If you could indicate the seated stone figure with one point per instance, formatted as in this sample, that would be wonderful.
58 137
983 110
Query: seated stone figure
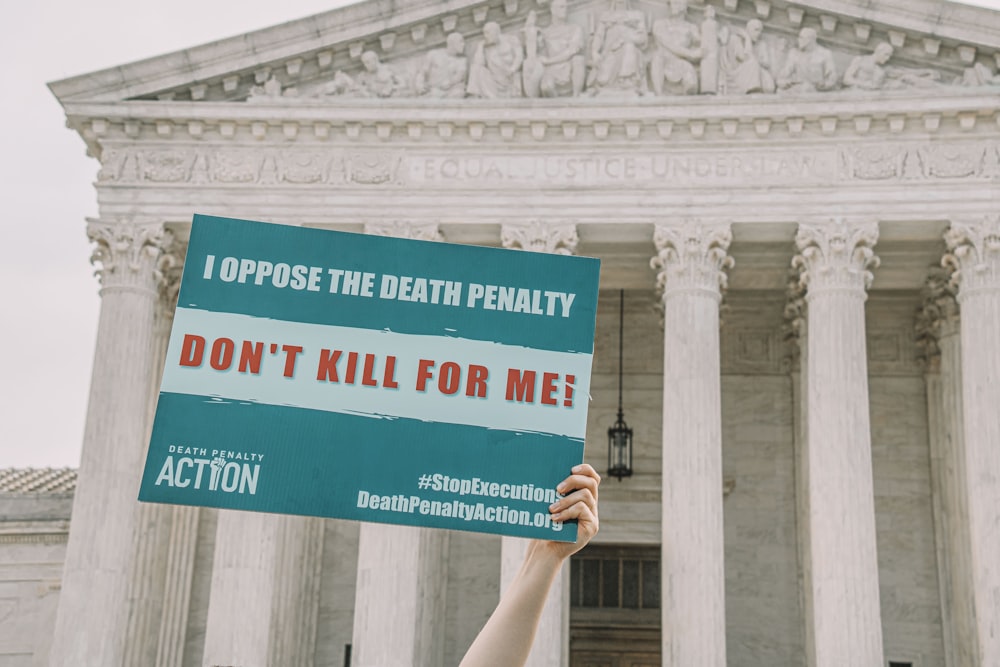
444 71
980 75
554 65
375 80
678 47
746 62
495 71
809 67
871 72
620 35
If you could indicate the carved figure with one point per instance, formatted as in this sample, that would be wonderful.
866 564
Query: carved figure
746 61
870 72
710 39
619 36
270 91
444 71
555 64
678 48
376 80
809 67
980 75
496 65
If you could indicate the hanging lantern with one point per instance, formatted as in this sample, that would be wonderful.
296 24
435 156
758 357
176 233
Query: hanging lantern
620 435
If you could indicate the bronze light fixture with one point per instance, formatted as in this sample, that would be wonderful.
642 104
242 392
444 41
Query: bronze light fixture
620 435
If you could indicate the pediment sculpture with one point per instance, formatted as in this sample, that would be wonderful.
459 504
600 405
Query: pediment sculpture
621 51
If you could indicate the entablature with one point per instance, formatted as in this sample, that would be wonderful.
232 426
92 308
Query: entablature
390 122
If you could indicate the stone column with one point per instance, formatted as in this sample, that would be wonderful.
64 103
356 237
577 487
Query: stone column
92 619
938 336
975 256
842 593
238 629
551 647
690 261
402 571
796 336
296 592
152 535
182 540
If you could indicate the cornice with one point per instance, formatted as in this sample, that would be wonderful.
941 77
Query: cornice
808 116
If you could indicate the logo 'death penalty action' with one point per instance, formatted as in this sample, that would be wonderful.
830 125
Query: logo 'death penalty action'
225 471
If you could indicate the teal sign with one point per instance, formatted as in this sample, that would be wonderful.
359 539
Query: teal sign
371 378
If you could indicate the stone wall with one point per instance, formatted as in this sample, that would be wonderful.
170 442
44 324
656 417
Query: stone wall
33 531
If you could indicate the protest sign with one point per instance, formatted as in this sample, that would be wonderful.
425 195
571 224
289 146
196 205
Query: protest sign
372 378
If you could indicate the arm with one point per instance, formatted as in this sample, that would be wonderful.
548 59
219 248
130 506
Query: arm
505 640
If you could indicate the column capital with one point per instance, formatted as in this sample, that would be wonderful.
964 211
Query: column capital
937 316
795 317
405 229
169 267
836 256
692 257
974 254
557 238
128 253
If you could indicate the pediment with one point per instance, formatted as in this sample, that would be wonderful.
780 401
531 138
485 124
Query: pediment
607 47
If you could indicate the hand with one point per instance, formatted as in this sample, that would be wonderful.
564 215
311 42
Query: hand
579 502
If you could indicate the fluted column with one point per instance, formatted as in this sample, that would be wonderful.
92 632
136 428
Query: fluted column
842 593
796 335
691 259
938 336
296 592
238 629
152 534
179 546
92 620
551 647
402 571
975 255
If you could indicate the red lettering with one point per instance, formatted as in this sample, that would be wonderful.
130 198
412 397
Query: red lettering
352 367
368 376
476 384
570 382
327 371
549 388
291 354
250 357
389 378
424 374
521 385
192 350
450 379
222 354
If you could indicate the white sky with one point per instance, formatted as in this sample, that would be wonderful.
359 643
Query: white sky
47 289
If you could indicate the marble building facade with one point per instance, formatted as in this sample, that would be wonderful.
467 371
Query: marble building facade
799 200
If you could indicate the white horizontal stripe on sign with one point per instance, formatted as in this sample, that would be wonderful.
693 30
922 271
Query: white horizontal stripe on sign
381 374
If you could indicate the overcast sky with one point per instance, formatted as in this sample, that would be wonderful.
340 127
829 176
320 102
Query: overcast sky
47 286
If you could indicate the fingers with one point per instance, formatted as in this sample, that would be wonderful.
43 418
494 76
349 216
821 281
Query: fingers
587 521
580 497
580 491
583 477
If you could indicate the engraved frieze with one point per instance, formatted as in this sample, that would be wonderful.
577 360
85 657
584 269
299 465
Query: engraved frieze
235 166
662 169
371 168
166 166
304 167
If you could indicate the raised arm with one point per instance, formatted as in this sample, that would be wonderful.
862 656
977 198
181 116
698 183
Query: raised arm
505 640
